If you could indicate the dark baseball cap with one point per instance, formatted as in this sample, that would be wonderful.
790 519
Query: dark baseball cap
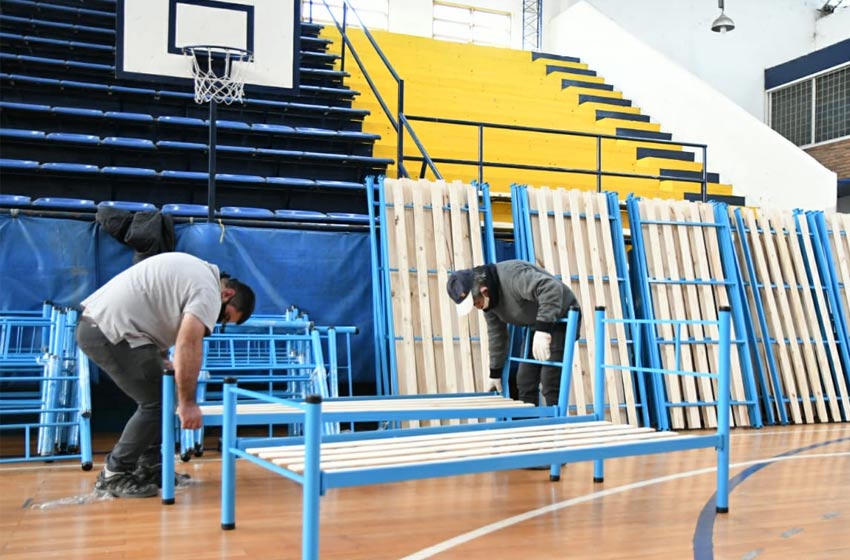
459 287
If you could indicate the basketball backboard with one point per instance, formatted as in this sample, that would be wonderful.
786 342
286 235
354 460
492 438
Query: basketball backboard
151 35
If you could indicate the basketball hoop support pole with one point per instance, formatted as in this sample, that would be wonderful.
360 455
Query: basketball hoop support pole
212 163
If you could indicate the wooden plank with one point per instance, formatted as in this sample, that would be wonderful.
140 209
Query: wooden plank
402 296
577 394
614 306
428 376
772 316
839 253
789 339
700 352
706 212
707 309
840 240
677 306
584 293
477 325
544 251
662 310
797 280
447 381
613 378
462 259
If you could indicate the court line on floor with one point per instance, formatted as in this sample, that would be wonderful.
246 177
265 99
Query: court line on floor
507 522
703 542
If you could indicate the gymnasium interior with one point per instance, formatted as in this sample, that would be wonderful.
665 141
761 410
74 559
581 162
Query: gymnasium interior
682 165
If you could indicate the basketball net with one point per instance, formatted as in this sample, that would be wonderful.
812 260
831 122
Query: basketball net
216 76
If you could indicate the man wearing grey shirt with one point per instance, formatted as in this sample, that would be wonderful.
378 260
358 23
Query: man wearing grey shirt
519 293
127 327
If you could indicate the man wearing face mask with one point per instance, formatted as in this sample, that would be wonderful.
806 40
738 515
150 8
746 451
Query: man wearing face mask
127 327
519 293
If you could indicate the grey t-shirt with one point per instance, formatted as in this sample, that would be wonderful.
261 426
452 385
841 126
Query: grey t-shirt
145 303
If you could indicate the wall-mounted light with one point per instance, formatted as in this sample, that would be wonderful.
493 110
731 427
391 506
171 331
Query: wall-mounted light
723 23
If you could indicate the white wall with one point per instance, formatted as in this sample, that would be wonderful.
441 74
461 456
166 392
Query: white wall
767 33
761 165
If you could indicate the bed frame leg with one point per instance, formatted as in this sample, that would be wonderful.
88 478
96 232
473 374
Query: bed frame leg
228 459
167 450
598 470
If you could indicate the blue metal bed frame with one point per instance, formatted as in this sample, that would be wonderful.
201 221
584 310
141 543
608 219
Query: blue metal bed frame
305 465
44 386
390 409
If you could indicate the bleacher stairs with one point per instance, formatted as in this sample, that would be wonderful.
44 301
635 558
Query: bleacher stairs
507 86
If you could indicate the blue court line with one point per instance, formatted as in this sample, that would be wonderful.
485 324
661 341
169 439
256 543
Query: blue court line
704 532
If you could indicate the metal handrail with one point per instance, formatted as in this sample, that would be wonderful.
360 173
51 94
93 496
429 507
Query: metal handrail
396 118
400 122
598 171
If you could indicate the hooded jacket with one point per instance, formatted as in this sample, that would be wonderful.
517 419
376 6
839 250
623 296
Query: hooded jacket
528 296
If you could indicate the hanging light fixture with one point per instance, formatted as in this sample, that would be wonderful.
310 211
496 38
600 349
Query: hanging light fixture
723 23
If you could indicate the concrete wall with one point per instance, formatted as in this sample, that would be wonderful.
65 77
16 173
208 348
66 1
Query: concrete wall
767 33
761 165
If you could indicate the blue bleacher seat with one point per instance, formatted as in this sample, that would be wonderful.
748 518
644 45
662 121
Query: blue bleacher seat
77 111
233 125
281 153
128 205
245 212
315 131
175 145
290 182
309 215
272 128
339 184
136 143
124 116
74 84
67 203
129 171
197 210
136 90
348 217
180 121
14 200
18 164
236 149
236 178
22 134
72 138
25 107
183 175
69 167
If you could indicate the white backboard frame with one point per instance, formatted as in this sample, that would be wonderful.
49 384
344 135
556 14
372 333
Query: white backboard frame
151 34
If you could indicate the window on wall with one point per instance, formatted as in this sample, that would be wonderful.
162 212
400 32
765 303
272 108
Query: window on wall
470 24
374 13
813 110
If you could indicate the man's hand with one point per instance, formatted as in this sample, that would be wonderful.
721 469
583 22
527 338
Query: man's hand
190 416
495 386
540 345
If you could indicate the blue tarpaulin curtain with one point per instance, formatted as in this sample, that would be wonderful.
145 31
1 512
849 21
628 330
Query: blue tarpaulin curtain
325 274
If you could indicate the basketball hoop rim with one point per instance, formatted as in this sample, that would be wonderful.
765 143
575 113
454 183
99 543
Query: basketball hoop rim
237 54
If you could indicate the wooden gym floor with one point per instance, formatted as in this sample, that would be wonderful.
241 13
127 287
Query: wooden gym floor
790 498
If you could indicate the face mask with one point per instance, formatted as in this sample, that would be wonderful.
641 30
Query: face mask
222 315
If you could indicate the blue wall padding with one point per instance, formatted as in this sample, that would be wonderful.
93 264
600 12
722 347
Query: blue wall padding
325 274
